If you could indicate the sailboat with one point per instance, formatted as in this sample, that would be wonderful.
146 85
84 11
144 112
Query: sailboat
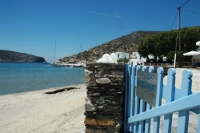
82 62
55 62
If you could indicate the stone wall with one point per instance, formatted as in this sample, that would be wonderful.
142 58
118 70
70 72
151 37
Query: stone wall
105 98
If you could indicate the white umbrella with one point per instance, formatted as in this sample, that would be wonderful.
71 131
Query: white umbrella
191 53
198 43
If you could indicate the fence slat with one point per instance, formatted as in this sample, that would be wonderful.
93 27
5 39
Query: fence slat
160 72
126 105
134 85
132 94
141 123
169 98
185 90
135 128
148 107
148 121
136 102
199 122
142 109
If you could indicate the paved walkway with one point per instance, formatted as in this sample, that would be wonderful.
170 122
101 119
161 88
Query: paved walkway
195 79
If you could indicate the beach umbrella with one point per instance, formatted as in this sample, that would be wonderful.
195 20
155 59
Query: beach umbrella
191 53
198 43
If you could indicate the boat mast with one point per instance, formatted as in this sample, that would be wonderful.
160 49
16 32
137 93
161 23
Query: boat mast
80 50
55 51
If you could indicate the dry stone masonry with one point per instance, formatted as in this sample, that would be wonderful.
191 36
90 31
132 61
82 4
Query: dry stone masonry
105 98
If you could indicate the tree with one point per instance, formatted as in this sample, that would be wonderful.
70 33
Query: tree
160 44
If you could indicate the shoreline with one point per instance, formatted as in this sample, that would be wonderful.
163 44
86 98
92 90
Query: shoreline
45 89
36 111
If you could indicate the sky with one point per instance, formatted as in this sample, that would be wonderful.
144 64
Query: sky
37 26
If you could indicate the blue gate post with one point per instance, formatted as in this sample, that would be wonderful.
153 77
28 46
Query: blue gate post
186 84
148 107
169 98
136 103
132 94
126 103
141 108
160 73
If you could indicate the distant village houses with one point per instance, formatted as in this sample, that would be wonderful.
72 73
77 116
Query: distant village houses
134 58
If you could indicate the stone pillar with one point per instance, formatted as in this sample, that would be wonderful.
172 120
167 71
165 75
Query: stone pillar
105 98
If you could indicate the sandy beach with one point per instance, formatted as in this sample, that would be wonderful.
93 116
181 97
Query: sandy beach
63 112
37 112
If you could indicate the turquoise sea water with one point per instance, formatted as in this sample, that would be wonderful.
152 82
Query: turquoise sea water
22 77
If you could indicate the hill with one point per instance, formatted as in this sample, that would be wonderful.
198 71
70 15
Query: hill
12 56
127 43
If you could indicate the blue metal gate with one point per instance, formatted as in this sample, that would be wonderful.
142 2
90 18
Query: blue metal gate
141 117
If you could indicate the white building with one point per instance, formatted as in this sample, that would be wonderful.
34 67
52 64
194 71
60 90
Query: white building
136 58
113 58
122 55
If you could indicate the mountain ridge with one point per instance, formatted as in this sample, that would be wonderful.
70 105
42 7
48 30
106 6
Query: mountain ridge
13 56
127 43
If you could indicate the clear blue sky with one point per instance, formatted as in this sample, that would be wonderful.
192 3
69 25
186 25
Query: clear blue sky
33 26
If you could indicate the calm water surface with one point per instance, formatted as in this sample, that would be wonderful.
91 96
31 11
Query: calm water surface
22 77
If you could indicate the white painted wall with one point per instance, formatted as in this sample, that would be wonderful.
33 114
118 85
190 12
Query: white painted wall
120 55
136 58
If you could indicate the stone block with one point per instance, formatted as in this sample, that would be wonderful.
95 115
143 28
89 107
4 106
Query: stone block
94 131
88 105
99 122
103 80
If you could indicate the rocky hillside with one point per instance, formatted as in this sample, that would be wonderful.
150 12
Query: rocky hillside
11 56
127 43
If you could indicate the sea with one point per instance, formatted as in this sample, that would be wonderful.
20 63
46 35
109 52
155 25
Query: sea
23 77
